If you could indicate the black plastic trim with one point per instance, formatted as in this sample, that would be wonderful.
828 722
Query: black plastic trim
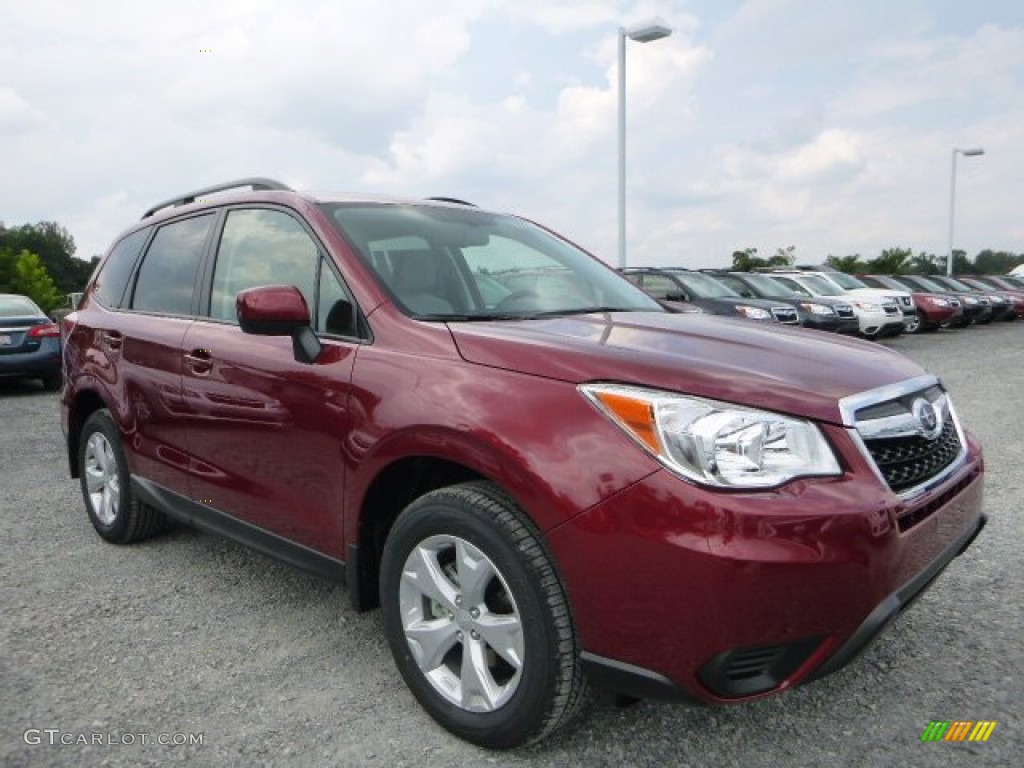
208 519
896 603
630 680
748 671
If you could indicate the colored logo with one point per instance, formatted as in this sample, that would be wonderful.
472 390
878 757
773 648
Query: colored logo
958 730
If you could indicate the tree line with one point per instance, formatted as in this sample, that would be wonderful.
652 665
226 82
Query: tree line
37 260
891 261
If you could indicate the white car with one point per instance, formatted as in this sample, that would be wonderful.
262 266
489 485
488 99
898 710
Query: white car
877 313
852 285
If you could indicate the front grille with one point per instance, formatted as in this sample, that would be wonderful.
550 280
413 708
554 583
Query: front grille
844 310
785 315
906 462
909 432
892 309
954 302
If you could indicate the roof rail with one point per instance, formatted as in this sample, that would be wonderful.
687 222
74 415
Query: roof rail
256 183
454 200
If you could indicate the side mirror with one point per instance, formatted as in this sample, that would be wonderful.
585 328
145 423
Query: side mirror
278 310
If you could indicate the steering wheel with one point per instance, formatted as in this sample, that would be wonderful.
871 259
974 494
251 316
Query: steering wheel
514 297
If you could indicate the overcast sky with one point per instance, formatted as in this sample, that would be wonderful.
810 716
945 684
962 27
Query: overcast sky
827 126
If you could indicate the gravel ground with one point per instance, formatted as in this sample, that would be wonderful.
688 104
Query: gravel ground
190 634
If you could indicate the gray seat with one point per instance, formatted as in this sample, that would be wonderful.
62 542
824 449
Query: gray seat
414 279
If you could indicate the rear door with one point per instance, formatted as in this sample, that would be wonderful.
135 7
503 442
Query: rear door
146 342
265 432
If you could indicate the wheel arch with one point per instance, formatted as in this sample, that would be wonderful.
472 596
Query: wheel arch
393 488
85 403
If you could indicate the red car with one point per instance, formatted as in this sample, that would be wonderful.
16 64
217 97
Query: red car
934 310
540 486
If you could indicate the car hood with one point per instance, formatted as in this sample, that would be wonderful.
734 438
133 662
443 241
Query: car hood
793 371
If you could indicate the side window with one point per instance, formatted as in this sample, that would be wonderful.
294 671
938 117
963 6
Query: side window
661 287
261 247
168 273
117 269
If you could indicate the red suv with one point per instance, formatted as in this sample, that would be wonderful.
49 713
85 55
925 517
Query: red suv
539 474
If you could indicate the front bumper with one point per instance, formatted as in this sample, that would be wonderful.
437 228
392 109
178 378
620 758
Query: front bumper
682 592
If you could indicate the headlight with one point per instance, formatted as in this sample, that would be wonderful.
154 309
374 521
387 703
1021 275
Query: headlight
714 443
754 313
939 302
817 309
867 306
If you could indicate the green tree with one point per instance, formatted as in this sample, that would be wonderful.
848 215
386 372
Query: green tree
747 260
989 262
892 261
30 278
851 264
927 264
961 264
55 247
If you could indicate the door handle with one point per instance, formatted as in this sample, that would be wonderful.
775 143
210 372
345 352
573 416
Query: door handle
199 360
112 339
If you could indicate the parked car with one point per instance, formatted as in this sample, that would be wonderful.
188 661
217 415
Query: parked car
1014 280
1017 271
1013 297
1002 283
855 287
976 309
29 342
934 310
710 295
821 313
538 490
1001 305
877 316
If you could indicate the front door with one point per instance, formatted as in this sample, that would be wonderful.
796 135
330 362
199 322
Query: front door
265 432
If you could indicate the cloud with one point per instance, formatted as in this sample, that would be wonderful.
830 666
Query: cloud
760 123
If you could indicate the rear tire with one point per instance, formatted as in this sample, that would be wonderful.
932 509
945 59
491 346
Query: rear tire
114 510
477 618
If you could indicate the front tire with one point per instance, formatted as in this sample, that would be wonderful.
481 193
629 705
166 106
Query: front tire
114 510
477 618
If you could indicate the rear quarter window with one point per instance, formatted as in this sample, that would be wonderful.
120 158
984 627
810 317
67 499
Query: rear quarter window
113 276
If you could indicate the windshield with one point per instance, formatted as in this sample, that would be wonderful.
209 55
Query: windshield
956 285
442 263
819 286
849 282
767 286
884 281
18 306
917 282
704 286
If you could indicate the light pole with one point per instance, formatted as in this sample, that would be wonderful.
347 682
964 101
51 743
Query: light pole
973 152
642 33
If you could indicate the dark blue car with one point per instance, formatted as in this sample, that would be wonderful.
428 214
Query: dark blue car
29 342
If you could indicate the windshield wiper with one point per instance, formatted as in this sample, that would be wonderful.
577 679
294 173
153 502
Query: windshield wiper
583 311
454 317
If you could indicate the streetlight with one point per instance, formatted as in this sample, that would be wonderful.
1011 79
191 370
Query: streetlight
641 33
973 152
